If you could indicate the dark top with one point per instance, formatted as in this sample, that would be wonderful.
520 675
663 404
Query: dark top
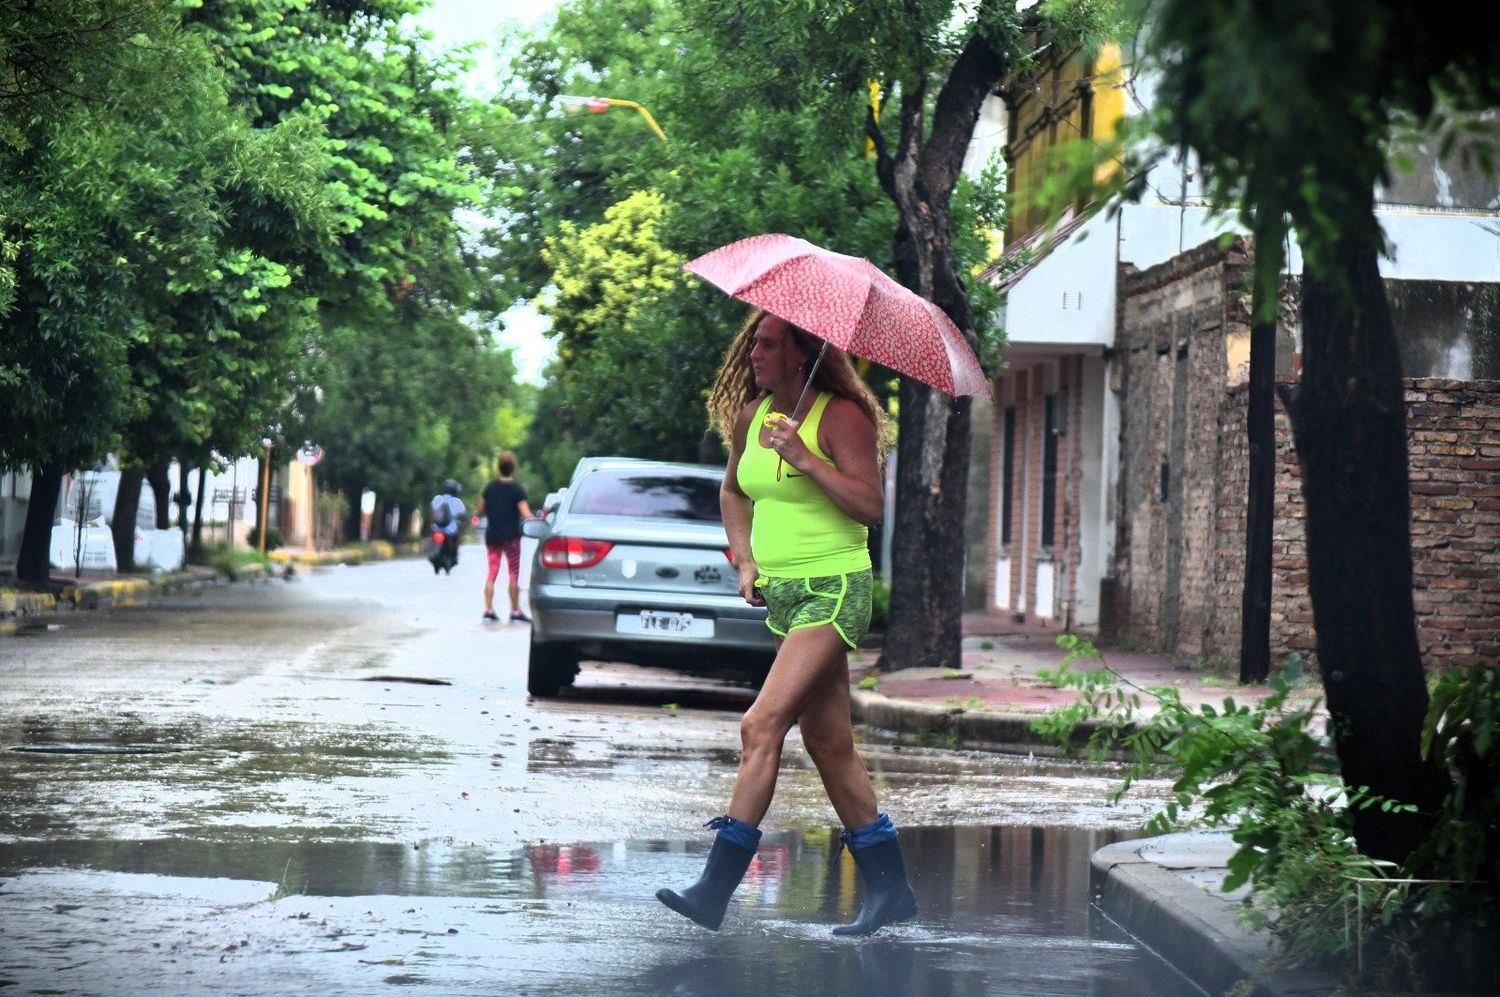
502 507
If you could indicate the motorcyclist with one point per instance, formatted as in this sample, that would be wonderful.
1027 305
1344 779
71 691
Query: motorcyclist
447 513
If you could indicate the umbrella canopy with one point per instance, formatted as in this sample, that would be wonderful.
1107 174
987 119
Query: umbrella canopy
849 302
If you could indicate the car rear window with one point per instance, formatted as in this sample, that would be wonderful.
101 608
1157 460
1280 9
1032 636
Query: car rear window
660 496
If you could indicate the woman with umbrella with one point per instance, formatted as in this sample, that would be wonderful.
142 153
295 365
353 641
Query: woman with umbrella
802 487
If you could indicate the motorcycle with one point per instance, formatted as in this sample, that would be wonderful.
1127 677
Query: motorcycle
444 551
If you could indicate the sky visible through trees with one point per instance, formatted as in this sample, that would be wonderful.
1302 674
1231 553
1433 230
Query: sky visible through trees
462 22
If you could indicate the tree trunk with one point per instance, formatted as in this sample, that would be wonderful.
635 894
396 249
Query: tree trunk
403 524
34 562
183 498
352 493
122 525
196 547
161 490
260 502
1260 504
928 545
1349 421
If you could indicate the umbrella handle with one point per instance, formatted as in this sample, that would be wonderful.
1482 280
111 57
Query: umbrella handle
816 363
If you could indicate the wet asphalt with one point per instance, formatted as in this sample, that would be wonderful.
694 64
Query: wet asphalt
337 783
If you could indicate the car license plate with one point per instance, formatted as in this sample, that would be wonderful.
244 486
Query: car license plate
660 623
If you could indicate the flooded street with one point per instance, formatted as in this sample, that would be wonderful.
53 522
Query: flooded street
337 783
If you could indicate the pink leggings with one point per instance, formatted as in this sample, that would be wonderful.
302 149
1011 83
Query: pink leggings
512 551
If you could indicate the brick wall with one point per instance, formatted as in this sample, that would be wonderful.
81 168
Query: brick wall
1291 608
1180 560
1453 432
1025 389
1173 323
1454 447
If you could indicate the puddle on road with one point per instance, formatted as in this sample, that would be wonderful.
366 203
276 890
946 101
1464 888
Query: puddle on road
95 749
1004 910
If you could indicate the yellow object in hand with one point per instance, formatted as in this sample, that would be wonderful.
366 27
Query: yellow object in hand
775 419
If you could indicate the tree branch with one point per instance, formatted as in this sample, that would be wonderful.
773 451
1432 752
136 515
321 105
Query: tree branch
975 73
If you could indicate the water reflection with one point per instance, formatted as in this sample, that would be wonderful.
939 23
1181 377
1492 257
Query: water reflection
1004 910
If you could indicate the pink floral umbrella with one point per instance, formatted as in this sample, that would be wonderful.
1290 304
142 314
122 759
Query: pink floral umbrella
849 302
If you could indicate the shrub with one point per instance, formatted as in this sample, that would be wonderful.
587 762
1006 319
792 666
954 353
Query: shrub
1267 774
231 561
274 539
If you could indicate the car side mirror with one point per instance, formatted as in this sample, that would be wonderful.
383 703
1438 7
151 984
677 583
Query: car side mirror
536 529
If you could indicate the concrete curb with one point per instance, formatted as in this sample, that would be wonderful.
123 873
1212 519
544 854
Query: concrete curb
1189 927
19 608
133 591
957 726
105 595
22 609
374 550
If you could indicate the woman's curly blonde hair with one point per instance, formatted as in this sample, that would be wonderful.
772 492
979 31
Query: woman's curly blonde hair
734 386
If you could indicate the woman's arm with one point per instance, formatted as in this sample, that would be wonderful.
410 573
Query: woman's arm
737 509
846 435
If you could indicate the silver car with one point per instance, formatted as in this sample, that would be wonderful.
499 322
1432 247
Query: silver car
634 566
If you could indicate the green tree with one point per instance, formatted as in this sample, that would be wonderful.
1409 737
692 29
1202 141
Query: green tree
402 375
220 325
738 162
87 219
1292 110
605 277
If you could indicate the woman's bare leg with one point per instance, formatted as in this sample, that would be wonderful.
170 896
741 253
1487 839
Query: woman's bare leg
829 738
808 661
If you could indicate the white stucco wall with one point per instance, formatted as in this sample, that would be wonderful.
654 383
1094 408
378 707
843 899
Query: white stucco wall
1098 441
1449 246
1068 298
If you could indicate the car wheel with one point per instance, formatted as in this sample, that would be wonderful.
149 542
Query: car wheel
549 669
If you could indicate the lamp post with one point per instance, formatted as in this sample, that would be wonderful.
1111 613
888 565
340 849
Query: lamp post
265 491
601 105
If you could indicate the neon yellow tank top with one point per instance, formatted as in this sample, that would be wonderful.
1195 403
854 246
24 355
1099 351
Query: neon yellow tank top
796 531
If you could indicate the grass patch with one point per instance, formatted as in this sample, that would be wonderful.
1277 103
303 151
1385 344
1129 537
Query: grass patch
231 561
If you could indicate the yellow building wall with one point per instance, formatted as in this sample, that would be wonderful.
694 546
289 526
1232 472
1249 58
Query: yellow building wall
1067 99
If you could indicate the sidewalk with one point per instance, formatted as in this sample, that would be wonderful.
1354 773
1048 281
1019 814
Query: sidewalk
1162 891
20 610
991 699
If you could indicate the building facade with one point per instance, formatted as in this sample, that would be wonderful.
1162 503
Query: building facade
1078 502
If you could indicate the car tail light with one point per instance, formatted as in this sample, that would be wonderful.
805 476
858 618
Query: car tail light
573 552
729 553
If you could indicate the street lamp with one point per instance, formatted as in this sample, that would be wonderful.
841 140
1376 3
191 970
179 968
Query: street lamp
265 491
599 105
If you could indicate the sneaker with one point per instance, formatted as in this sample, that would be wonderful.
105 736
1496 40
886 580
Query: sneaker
490 616
519 617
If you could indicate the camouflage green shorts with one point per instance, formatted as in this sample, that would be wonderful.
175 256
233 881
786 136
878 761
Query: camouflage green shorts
840 601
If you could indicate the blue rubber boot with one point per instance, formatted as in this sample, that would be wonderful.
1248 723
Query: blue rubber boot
706 900
889 898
